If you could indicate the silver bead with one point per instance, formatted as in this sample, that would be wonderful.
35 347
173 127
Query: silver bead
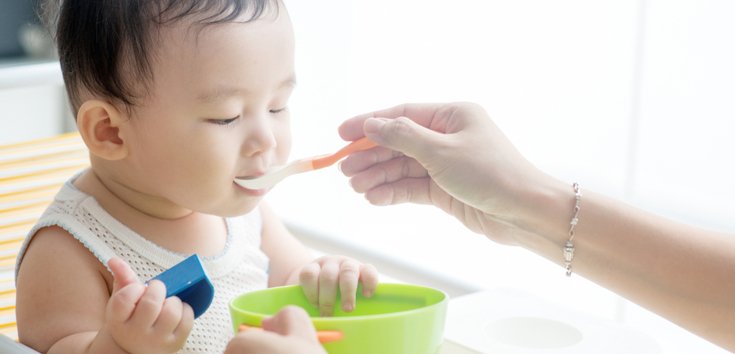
568 252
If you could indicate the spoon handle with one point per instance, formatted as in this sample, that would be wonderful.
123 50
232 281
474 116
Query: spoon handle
322 336
357 145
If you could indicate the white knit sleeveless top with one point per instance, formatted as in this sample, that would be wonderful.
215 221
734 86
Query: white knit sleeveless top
240 268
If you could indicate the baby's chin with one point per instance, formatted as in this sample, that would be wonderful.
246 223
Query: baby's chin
240 209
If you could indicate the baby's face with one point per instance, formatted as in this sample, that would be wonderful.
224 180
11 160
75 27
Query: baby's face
217 109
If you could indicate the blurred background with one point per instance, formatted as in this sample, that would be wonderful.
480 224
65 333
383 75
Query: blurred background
632 98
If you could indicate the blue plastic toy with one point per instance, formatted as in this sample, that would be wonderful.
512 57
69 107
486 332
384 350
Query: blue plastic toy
190 283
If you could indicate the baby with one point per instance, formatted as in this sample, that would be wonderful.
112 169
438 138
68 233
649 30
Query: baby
174 99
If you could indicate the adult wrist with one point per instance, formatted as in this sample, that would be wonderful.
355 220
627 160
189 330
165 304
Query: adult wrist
545 212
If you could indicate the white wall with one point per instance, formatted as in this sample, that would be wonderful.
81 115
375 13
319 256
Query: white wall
30 113
32 101
684 162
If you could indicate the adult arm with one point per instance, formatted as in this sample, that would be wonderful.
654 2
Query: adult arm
454 157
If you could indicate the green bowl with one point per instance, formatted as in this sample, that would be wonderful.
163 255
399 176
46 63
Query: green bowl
399 318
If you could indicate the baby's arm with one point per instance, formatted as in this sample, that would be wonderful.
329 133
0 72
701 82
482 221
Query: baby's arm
292 263
287 255
69 303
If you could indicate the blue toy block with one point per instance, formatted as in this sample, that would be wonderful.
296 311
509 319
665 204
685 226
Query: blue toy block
190 283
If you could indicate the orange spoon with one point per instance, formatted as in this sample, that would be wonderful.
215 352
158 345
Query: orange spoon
278 173
323 336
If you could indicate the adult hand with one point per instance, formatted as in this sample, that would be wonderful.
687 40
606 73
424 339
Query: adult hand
448 155
453 156
288 332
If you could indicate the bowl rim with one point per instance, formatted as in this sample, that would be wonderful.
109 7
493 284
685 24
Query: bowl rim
330 319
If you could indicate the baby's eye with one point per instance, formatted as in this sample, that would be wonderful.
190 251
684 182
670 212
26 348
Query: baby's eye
227 121
276 111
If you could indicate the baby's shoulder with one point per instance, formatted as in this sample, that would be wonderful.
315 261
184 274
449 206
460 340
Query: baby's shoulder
60 289
54 252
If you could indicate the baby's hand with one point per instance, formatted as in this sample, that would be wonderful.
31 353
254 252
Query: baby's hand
140 319
321 278
287 332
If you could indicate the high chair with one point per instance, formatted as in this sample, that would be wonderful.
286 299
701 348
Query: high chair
30 175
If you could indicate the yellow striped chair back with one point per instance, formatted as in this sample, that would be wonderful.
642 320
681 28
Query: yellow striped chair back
30 175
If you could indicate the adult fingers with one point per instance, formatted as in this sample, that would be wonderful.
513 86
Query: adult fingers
387 172
407 190
422 113
361 160
404 135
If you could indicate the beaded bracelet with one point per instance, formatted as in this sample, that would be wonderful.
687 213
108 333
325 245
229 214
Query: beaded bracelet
569 246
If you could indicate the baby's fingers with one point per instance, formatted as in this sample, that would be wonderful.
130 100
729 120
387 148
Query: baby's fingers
150 304
171 313
291 320
122 303
173 325
122 273
186 323
349 273
328 287
309 280
369 279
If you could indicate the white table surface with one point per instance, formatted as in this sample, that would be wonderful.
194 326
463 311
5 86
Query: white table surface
449 347
506 321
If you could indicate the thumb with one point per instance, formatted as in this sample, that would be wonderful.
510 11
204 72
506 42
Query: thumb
404 135
122 273
291 320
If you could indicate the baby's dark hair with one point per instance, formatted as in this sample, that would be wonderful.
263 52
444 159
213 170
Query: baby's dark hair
104 45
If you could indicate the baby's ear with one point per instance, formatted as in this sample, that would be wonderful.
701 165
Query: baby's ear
99 124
